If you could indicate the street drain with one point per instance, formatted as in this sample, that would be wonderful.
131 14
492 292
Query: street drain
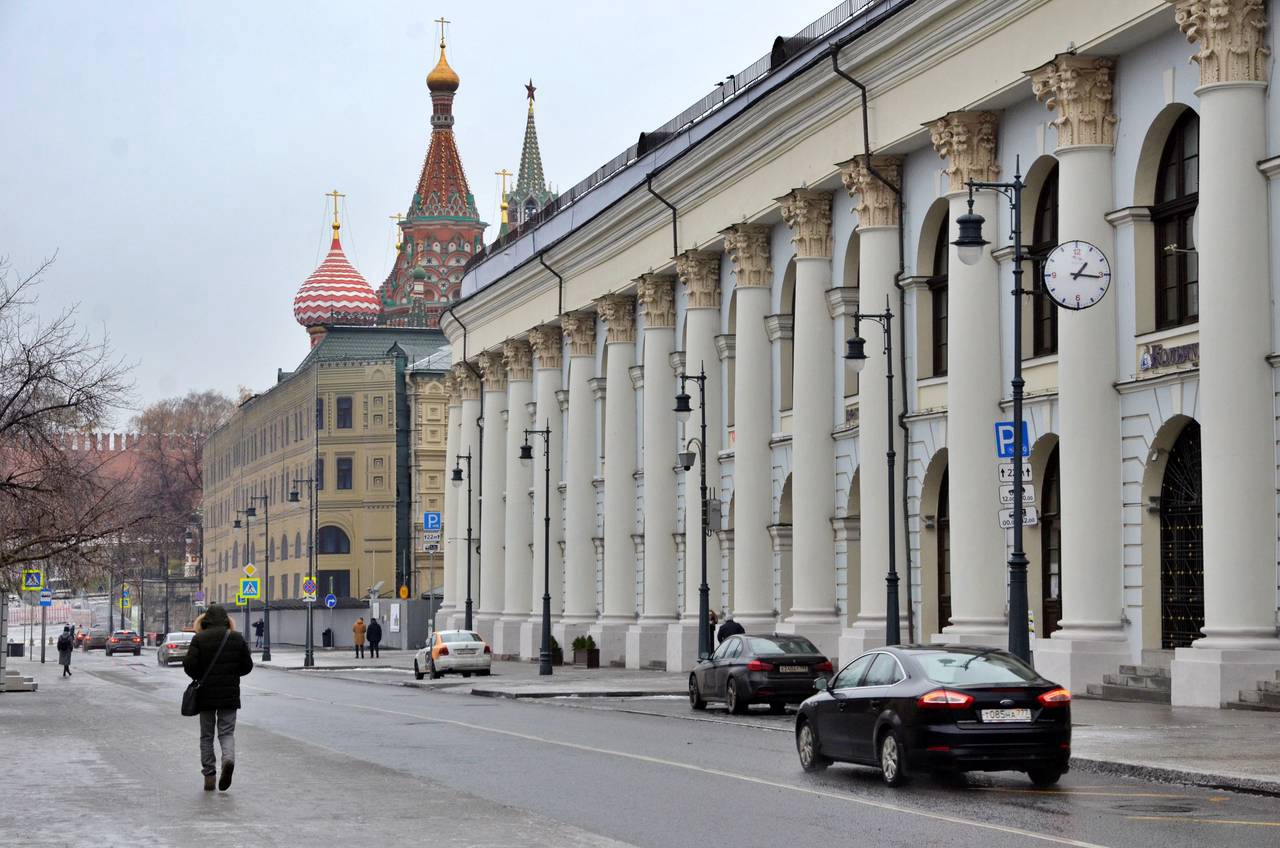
1155 808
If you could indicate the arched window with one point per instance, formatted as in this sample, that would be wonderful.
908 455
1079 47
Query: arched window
297 545
284 546
1177 193
938 292
333 540
1044 320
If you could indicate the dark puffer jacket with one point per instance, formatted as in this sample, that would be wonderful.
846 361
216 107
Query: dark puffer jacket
221 689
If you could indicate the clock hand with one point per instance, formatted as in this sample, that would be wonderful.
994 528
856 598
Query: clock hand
1092 276
1077 274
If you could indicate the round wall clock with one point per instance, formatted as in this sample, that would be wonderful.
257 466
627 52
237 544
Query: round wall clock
1076 274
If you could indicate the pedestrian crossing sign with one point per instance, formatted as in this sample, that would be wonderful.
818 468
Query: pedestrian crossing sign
32 578
251 587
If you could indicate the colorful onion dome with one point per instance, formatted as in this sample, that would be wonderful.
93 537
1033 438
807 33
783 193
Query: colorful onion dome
334 287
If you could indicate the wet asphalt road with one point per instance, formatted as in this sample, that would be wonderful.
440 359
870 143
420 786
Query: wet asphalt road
641 771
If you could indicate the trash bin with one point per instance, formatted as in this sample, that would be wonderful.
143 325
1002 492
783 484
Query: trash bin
326 638
17 649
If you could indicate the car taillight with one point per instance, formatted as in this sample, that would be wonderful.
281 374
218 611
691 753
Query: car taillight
114 639
170 645
1055 697
825 665
945 699
488 650
443 650
758 665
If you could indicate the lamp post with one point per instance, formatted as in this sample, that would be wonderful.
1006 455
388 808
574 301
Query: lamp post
526 457
247 512
266 574
855 353
164 563
457 482
969 243
308 658
685 458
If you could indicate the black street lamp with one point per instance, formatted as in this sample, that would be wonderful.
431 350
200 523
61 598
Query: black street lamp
308 658
856 354
683 410
248 513
526 457
969 244
266 574
457 482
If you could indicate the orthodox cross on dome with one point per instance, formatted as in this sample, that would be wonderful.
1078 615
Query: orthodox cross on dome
399 232
503 174
442 21
335 195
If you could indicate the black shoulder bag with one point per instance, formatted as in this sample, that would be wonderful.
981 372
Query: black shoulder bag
189 707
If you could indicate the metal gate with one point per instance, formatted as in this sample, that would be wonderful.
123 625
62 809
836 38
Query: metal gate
1182 543
944 552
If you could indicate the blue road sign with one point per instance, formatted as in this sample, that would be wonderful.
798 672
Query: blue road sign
431 521
124 591
251 587
331 601
46 598
1004 440
34 578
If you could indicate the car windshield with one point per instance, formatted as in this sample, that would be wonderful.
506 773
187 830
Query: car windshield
782 645
964 668
461 636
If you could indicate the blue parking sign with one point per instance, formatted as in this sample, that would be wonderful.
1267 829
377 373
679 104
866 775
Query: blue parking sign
431 521
1004 440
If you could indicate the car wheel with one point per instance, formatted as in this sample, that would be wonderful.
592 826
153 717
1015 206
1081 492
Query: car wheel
807 747
435 673
466 674
484 673
1044 777
417 674
695 694
893 758
733 698
777 707
138 653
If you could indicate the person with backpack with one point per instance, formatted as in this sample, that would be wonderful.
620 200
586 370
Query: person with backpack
217 658
374 633
65 643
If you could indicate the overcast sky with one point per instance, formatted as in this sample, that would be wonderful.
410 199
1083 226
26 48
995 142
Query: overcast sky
175 155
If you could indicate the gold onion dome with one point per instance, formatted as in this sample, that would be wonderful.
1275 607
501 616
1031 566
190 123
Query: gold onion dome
442 77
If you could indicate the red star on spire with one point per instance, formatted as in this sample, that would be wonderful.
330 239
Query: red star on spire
530 88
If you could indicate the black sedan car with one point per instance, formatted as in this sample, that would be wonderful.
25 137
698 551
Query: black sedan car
938 709
773 668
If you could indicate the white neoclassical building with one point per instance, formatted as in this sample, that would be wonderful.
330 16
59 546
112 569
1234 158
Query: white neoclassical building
741 237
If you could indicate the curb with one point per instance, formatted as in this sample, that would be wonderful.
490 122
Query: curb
1162 774
611 693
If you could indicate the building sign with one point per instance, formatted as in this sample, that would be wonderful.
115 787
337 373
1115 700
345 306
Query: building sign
1157 356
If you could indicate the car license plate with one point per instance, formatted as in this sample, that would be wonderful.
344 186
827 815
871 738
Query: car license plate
466 650
996 716
793 669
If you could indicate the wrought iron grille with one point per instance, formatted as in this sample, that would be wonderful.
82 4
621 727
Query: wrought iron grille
1182 543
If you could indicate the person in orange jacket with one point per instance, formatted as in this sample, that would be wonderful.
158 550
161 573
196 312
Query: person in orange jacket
358 630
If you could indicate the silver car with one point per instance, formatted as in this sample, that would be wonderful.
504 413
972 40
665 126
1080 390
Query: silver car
463 651
173 648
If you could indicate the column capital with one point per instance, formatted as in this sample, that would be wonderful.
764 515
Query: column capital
726 345
518 356
451 395
1232 35
967 140
547 342
636 373
699 270
878 205
748 249
580 332
619 314
468 385
656 295
1079 89
807 212
494 369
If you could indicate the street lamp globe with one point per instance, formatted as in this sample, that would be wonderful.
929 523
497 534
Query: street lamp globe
526 454
294 497
969 243
683 407
251 511
237 525
855 353
456 477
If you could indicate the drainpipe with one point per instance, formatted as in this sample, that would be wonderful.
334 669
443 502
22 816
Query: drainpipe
559 286
675 242
902 311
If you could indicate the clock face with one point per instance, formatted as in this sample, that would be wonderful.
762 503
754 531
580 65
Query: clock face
1076 275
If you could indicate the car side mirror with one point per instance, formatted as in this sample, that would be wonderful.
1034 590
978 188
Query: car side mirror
821 684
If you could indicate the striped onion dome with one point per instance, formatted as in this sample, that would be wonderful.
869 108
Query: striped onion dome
334 287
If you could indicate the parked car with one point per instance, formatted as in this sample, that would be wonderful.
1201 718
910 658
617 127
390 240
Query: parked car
912 708
775 668
462 651
124 640
173 647
96 637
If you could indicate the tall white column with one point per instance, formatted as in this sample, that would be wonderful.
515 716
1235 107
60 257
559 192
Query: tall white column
580 494
494 478
1237 418
468 501
1091 642
879 212
449 543
548 363
647 640
619 610
699 271
813 451
518 526
967 140
748 249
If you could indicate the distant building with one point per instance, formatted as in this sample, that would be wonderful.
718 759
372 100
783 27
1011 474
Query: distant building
526 200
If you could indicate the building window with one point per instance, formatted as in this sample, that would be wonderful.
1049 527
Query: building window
1044 317
319 473
333 541
344 413
344 472
938 291
1177 193
319 413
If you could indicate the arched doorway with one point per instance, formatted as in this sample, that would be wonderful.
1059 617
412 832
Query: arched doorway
1181 543
1050 549
943 554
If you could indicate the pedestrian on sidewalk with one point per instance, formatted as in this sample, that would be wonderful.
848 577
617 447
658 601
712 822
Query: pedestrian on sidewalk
257 633
374 633
711 627
729 628
65 643
219 656
357 630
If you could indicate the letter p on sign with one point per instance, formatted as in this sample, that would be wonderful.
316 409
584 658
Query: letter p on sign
1004 440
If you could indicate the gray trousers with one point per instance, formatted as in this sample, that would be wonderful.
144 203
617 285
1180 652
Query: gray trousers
224 722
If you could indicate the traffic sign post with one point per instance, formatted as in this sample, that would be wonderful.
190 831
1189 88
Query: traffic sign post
32 578
250 570
1006 495
1006 472
432 521
46 598
241 600
1004 439
330 601
309 590
1030 517
251 587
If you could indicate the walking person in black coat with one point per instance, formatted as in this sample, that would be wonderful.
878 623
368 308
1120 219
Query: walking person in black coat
257 633
65 643
729 628
219 696
374 635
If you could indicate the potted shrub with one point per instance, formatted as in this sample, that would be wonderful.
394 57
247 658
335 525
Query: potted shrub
585 652
557 653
